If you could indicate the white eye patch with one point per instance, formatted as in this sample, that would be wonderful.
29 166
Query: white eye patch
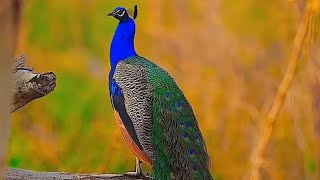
122 13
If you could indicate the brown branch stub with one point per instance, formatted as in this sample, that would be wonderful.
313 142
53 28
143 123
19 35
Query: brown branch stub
29 85
17 174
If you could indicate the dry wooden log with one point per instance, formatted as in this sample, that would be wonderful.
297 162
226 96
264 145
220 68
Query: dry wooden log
29 85
20 174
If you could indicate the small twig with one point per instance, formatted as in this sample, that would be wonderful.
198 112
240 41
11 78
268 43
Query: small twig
301 45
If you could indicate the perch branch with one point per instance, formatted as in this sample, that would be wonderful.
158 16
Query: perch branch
17 174
29 85
303 39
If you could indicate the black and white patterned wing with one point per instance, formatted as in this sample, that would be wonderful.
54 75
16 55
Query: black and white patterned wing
132 79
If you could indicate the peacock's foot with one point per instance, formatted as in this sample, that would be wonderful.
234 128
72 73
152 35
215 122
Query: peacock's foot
138 175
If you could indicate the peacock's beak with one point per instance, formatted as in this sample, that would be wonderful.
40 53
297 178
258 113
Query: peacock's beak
112 13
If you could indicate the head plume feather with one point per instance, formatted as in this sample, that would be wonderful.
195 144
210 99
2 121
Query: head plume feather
133 12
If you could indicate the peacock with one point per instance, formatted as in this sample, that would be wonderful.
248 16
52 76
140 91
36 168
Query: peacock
155 118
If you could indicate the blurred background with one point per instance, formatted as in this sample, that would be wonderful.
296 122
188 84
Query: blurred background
227 56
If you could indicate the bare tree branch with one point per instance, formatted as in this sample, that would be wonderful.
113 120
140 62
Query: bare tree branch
301 47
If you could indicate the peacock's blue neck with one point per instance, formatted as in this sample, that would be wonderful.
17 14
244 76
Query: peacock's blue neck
122 45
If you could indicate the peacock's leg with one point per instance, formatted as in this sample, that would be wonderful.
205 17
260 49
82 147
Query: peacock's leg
138 173
138 166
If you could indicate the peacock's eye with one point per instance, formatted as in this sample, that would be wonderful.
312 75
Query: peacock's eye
121 12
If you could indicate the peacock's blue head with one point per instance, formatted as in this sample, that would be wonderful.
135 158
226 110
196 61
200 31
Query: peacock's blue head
122 14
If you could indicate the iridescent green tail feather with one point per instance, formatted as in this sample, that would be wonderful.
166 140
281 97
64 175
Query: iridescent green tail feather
179 150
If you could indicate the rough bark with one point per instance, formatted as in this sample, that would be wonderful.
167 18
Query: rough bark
29 85
18 174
